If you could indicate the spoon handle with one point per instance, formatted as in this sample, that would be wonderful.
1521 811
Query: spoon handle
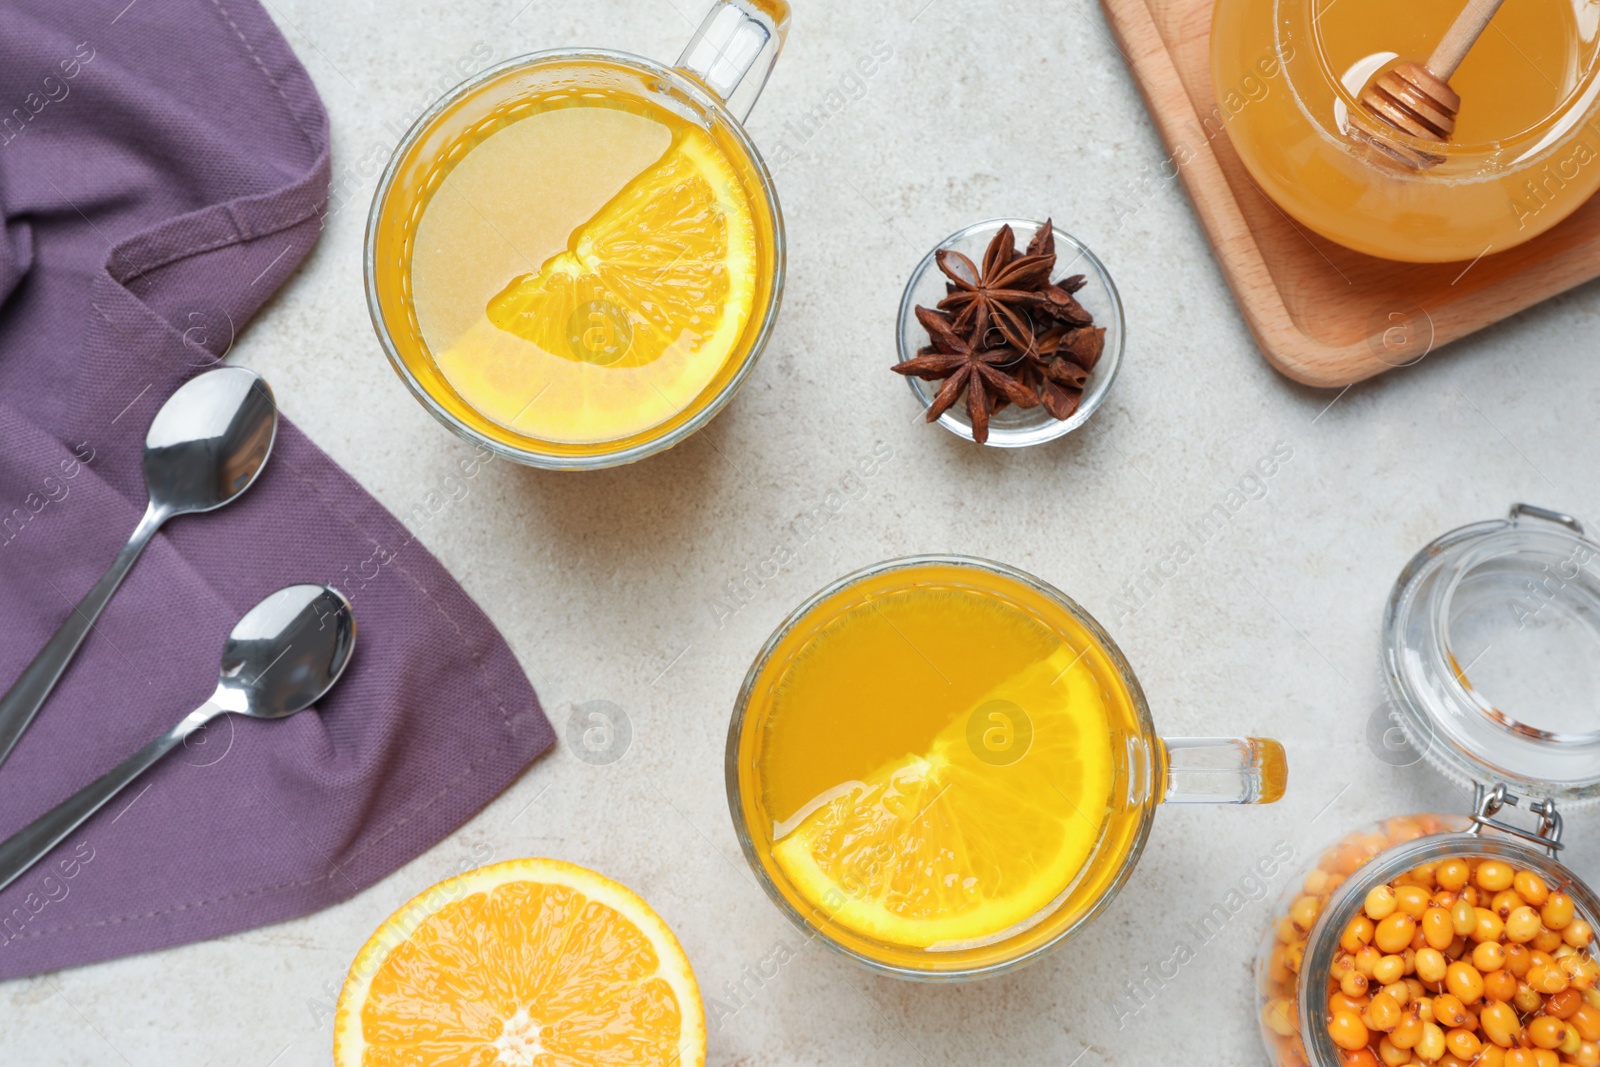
28 845
33 685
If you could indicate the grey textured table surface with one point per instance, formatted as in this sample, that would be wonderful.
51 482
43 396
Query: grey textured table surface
608 585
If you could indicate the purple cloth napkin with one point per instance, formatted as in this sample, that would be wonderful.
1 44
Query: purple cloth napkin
163 169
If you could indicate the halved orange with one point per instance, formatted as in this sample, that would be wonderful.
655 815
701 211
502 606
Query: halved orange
527 963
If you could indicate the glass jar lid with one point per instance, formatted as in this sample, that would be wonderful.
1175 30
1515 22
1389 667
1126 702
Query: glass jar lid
1492 652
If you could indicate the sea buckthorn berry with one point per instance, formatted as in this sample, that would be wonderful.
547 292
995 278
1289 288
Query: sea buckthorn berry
1392 1055
1353 984
1522 925
1530 887
1546 941
1431 1045
1448 1010
1383 1013
1588 1055
1547 1032
1431 966
1518 959
1563 1005
1543 1057
1361 1057
1463 918
1358 933
1380 903
1412 900
1505 902
1489 927
1343 963
1571 1043
1491 1056
1578 934
1465 982
1347 1030
1367 958
1418 990
1493 875
1316 882
1437 930
1409 1032
1394 933
1400 992
1527 998
1499 985
1557 911
1453 874
1521 1057
1338 1002
1489 956
1278 1015
1303 912
1463 1044
1286 930
1586 1020
1500 1024
1389 969
1547 978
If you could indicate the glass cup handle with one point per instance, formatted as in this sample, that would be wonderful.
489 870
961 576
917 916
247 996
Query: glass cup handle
1223 770
734 49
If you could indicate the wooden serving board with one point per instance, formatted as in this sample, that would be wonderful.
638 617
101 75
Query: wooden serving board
1322 314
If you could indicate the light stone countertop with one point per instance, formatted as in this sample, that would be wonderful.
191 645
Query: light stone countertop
607 585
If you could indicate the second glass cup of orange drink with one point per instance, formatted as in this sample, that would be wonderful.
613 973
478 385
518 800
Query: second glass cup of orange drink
575 258
942 767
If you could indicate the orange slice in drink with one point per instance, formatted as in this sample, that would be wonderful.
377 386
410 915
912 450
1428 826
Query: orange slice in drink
527 963
628 325
962 845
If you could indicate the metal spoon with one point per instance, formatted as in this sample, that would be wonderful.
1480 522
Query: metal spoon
206 446
282 656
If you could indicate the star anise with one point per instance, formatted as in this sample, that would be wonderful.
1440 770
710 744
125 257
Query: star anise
1007 334
1001 294
966 364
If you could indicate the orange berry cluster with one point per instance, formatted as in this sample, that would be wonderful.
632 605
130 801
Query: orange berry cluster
1467 961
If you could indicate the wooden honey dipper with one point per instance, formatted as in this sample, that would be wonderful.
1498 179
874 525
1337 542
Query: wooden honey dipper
1416 99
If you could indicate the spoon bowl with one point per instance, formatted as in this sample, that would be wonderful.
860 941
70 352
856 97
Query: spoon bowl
209 441
286 652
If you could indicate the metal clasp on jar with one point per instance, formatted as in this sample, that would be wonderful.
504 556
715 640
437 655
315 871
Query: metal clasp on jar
1488 801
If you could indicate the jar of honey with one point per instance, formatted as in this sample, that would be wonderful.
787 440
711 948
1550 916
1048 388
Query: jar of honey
1457 939
1288 76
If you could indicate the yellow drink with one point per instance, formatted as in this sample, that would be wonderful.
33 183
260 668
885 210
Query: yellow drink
571 262
933 767
1288 73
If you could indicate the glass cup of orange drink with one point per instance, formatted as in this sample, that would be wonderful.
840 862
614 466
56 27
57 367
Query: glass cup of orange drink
941 767
1288 76
575 258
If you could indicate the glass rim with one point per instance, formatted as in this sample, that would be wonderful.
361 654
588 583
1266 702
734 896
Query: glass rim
741 707
557 461
1322 940
1105 371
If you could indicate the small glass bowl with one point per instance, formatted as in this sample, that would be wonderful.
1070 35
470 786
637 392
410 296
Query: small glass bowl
1016 427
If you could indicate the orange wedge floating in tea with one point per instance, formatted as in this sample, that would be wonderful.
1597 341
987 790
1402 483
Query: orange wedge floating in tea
629 325
949 848
527 963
